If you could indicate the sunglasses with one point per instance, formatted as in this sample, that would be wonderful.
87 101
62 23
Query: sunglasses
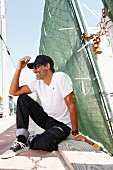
36 66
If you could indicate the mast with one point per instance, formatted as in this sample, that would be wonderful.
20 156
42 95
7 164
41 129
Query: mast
109 25
4 62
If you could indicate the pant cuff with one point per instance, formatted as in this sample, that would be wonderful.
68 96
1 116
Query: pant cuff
23 132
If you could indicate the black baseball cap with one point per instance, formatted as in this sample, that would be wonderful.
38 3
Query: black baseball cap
41 59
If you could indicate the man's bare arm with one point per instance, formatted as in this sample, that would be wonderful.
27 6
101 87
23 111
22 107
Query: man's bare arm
70 102
15 89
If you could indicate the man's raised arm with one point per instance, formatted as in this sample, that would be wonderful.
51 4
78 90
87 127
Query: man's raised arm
15 89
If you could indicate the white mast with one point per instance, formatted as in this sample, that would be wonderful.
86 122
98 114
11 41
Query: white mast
109 24
4 63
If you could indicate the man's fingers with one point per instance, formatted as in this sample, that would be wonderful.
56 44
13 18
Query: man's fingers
26 59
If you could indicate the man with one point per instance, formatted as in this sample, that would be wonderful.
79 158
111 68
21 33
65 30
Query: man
57 114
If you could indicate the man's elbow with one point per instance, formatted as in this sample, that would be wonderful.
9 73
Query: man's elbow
12 92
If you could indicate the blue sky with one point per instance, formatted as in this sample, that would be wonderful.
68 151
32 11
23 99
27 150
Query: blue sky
23 23
90 7
23 27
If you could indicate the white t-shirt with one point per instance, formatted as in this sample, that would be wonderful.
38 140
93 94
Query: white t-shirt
52 96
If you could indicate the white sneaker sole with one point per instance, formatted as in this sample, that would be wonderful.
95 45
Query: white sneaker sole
10 153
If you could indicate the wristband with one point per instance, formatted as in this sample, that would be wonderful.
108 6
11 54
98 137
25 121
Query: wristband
75 132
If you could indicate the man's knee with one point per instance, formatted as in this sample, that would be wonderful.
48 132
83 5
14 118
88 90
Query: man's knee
22 97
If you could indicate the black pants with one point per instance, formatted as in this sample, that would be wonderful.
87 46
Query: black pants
55 131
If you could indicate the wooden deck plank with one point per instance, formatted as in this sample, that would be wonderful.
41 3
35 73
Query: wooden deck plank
80 155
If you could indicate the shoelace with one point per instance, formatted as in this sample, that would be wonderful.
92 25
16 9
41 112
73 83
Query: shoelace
16 143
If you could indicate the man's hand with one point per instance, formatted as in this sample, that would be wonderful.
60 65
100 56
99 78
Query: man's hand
80 137
23 62
75 132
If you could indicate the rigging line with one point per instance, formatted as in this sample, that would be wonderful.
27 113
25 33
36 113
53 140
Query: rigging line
12 61
90 10
8 51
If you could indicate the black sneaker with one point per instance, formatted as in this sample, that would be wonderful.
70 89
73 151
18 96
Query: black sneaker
15 149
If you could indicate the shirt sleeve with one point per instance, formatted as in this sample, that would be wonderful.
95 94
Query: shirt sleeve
32 86
65 84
